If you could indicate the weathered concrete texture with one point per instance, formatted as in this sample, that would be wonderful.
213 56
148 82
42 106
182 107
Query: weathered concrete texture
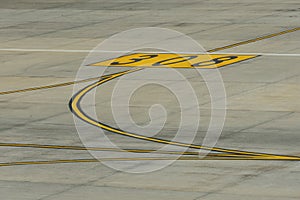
263 109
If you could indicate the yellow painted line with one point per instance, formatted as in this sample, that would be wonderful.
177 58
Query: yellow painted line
91 79
65 161
64 147
255 39
173 60
75 108
46 162
49 86
175 143
54 85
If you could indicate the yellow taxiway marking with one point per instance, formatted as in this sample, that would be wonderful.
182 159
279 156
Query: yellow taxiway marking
255 39
153 151
210 51
208 157
227 153
76 109
50 86
82 148
173 60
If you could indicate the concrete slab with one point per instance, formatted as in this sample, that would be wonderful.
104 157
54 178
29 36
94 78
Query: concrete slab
45 43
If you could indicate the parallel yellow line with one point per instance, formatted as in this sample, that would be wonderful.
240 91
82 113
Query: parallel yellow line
46 162
75 108
255 39
43 162
81 148
64 147
53 85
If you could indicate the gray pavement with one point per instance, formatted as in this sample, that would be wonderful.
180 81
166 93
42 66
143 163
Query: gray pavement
263 109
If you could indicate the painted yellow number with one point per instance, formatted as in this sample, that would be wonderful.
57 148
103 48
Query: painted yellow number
174 60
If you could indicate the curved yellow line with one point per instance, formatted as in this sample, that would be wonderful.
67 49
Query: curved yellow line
76 110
